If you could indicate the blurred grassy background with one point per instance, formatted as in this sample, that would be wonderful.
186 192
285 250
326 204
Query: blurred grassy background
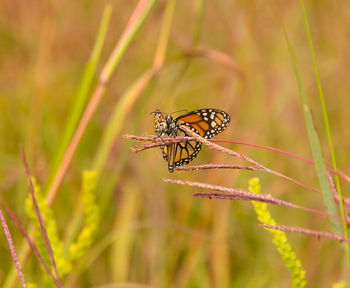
153 233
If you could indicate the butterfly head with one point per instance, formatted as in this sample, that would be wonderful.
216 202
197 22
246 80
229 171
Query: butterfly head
165 124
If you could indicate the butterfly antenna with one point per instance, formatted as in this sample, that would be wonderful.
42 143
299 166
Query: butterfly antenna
154 112
185 110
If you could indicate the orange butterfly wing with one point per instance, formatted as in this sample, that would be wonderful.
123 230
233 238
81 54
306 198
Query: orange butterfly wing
208 122
205 122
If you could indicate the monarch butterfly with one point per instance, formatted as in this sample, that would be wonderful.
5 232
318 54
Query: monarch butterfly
205 122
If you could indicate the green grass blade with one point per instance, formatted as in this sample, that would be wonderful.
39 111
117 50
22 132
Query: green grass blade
73 119
122 107
115 124
134 25
128 99
141 12
122 250
315 144
199 9
164 34
82 93
325 117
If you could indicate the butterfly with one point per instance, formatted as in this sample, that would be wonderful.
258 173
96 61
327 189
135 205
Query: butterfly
205 122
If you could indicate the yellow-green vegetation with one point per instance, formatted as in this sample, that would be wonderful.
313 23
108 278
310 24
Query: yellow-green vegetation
279 238
77 75
339 285
91 216
85 237
63 265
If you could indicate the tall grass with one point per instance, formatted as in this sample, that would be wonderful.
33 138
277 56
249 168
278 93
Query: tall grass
131 228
